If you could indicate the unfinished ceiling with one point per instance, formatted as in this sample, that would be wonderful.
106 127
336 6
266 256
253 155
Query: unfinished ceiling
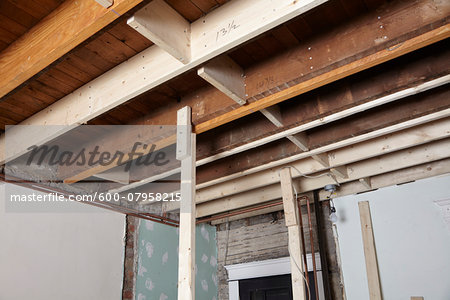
358 89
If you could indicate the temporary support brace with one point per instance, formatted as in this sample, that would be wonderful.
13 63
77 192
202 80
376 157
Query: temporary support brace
370 254
186 154
292 222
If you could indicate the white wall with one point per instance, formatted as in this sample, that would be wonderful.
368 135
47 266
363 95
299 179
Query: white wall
412 241
62 255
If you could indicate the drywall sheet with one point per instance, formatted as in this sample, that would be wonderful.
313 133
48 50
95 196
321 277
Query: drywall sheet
157 273
412 241
63 255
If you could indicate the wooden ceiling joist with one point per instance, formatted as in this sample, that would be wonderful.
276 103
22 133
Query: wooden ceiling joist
379 142
347 152
273 114
210 36
401 176
66 27
366 182
371 167
340 171
319 156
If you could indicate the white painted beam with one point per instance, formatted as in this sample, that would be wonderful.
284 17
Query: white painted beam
273 113
340 171
213 34
226 76
366 182
322 158
165 27
300 140
290 206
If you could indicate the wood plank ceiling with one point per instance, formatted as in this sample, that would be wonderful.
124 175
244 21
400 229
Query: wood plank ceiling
18 16
118 42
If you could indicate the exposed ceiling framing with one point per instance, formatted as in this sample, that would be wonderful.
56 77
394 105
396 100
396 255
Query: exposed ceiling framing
362 101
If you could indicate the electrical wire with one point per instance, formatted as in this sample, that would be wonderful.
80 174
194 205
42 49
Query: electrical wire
301 272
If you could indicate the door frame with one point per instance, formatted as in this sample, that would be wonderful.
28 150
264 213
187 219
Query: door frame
264 268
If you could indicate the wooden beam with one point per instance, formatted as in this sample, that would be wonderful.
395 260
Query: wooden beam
356 66
340 171
322 158
165 27
370 254
290 206
260 177
337 116
300 140
273 113
397 136
63 29
105 3
247 19
186 254
226 76
366 182
371 167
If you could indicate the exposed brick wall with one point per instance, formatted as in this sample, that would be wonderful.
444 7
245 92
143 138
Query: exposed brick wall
130 261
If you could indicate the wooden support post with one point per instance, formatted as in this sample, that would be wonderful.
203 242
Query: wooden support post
369 251
165 27
292 222
226 76
186 254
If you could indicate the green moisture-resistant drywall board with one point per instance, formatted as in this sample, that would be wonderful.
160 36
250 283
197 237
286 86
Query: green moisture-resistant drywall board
157 273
